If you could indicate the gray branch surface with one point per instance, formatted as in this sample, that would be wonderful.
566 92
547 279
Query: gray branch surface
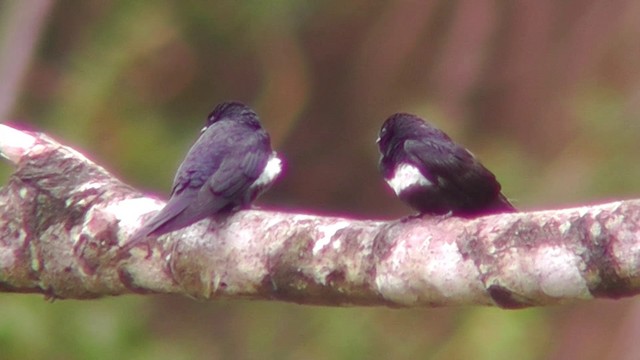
63 219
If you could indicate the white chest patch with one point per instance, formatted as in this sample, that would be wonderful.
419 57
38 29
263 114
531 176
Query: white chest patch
270 172
406 175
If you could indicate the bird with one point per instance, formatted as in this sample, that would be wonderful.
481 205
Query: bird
434 175
226 169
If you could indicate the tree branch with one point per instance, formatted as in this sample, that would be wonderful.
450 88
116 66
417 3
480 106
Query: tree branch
63 219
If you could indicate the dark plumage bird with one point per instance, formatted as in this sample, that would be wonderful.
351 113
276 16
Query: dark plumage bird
433 174
229 165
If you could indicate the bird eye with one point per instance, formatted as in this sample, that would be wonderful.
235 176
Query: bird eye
383 132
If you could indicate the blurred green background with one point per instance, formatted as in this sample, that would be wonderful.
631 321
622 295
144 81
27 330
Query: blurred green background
545 92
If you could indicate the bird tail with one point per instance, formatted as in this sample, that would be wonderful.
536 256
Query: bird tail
139 235
501 204
134 240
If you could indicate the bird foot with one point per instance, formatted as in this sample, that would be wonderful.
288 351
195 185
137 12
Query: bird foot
445 216
439 218
411 217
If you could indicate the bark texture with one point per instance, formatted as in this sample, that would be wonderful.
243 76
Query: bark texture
63 219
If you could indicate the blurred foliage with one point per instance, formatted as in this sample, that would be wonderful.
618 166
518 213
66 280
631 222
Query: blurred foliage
545 92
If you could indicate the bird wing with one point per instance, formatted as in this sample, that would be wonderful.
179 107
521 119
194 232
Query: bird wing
236 174
452 167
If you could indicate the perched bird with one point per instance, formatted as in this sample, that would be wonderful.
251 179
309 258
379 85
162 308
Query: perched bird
433 174
229 165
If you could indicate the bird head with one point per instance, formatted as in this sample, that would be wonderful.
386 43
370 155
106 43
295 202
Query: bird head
233 111
402 126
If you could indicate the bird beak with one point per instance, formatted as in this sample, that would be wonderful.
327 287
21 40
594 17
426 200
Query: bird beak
378 140
203 129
